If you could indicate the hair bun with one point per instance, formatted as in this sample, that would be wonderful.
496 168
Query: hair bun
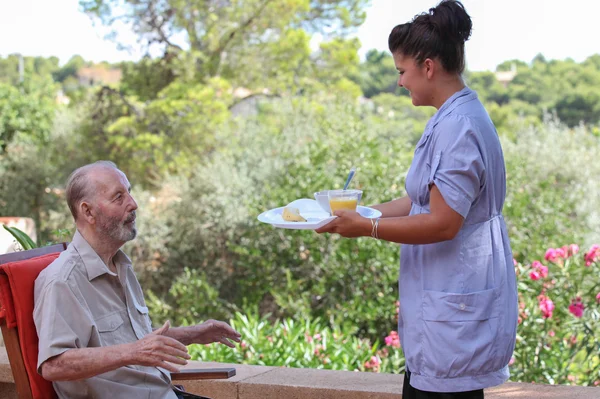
450 19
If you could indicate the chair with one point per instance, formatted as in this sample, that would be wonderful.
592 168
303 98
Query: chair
18 271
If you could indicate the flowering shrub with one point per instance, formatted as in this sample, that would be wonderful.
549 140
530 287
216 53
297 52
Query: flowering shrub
303 343
558 338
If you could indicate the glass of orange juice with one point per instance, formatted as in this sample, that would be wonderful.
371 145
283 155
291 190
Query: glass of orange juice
343 199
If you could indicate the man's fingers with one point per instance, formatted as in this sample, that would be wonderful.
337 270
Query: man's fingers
173 359
171 342
168 366
176 348
229 331
227 342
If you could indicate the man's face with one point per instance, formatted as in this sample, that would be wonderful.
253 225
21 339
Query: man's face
114 206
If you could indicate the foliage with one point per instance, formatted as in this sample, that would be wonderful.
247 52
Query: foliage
559 318
302 343
250 43
240 115
27 108
22 238
289 274
256 168
32 67
544 191
378 74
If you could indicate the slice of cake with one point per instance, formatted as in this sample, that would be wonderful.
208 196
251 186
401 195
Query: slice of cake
292 215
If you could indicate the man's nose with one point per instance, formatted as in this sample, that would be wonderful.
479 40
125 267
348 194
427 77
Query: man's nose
132 204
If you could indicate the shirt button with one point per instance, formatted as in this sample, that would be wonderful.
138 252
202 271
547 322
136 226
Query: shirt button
462 306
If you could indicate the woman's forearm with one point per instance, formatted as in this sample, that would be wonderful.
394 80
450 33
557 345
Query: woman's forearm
397 208
416 229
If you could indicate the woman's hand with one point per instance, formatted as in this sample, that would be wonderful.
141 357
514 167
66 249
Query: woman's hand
348 224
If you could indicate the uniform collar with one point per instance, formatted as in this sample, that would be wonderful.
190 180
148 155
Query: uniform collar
458 98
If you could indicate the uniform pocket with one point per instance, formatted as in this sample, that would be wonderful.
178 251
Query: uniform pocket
459 333
109 327
445 306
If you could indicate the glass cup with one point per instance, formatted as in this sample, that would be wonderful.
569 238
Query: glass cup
343 199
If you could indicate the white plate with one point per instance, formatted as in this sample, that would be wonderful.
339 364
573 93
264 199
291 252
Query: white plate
310 210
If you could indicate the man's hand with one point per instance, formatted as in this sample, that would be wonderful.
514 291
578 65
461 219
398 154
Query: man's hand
347 224
212 331
159 350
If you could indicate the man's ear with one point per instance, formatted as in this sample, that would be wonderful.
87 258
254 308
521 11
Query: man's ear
86 212
430 67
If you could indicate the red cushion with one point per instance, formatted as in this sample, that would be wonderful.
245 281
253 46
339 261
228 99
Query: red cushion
21 278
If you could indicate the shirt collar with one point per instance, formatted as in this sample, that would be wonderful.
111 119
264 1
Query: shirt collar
94 265
458 98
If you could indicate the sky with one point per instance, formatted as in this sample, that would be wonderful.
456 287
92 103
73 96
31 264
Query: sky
502 30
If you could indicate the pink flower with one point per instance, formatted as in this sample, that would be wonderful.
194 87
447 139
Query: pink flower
551 255
511 361
317 336
393 339
598 297
551 333
592 255
546 306
562 252
515 262
573 339
535 275
573 249
539 270
373 363
576 307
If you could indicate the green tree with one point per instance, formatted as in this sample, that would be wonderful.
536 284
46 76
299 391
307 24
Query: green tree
28 109
70 69
32 67
378 74
230 40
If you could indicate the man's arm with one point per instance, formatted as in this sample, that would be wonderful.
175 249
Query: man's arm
397 208
154 350
206 333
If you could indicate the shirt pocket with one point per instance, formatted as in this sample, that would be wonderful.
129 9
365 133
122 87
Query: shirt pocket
144 317
110 329
459 333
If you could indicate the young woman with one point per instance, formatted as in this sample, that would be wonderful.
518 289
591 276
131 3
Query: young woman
458 295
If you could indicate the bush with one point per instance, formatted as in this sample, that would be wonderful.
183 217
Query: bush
559 319
551 187
292 149
302 343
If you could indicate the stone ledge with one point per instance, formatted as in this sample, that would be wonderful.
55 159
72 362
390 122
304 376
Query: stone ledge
260 382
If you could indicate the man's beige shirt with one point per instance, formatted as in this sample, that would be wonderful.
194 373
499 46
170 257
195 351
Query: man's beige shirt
80 303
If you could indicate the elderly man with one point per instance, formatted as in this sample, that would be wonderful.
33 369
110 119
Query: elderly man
96 339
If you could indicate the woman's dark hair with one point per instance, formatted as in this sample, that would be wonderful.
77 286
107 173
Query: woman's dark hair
440 33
